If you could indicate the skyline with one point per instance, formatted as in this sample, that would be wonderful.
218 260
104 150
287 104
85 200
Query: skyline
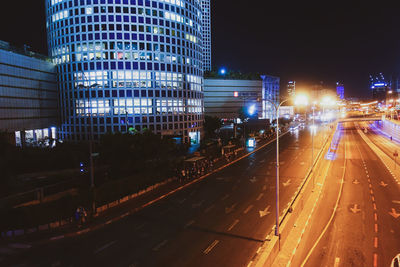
308 43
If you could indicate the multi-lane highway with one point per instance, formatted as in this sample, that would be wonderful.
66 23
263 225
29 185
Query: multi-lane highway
221 221
365 227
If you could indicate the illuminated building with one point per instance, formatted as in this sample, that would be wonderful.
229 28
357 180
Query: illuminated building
224 97
28 96
291 88
340 90
206 34
127 65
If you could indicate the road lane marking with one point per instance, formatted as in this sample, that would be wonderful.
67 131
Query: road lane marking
248 209
396 202
375 260
163 243
337 261
209 208
376 217
233 225
260 196
210 247
374 206
189 224
140 226
376 228
20 246
375 242
105 247
225 197
373 199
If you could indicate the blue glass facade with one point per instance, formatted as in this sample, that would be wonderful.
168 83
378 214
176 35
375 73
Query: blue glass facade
127 64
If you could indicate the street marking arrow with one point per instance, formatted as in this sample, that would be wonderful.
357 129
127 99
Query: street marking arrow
302 163
355 209
253 180
356 182
396 202
230 209
287 183
383 184
394 214
264 212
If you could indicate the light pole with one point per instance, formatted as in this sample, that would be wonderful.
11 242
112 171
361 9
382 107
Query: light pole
299 101
89 87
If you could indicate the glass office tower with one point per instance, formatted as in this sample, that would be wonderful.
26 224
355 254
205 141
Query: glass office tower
126 65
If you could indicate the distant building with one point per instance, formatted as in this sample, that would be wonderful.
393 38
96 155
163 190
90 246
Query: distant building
379 87
28 95
271 89
291 88
340 90
224 98
206 7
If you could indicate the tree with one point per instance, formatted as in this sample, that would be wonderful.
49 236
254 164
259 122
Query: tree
211 124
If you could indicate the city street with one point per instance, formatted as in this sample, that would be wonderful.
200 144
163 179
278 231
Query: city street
221 221
365 228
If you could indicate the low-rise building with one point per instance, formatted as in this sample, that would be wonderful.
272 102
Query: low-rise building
224 97
28 95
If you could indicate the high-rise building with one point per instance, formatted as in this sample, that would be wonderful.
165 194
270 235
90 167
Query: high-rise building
379 87
127 64
340 90
291 88
205 4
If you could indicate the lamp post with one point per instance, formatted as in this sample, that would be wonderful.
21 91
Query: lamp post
299 101
89 87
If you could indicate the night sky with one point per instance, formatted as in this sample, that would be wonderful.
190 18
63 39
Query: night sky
305 41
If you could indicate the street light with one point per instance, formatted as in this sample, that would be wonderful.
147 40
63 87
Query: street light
299 100
89 87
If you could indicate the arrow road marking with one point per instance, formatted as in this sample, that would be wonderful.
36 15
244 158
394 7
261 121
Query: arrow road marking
230 209
210 247
264 212
355 209
287 183
383 184
302 163
253 180
260 196
394 214
356 182
396 202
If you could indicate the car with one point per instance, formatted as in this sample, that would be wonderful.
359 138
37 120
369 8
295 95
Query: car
396 261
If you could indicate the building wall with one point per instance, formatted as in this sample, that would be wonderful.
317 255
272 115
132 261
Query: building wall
207 52
223 98
271 93
127 64
28 93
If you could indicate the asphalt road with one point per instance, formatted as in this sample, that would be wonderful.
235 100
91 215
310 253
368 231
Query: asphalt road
364 230
221 221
